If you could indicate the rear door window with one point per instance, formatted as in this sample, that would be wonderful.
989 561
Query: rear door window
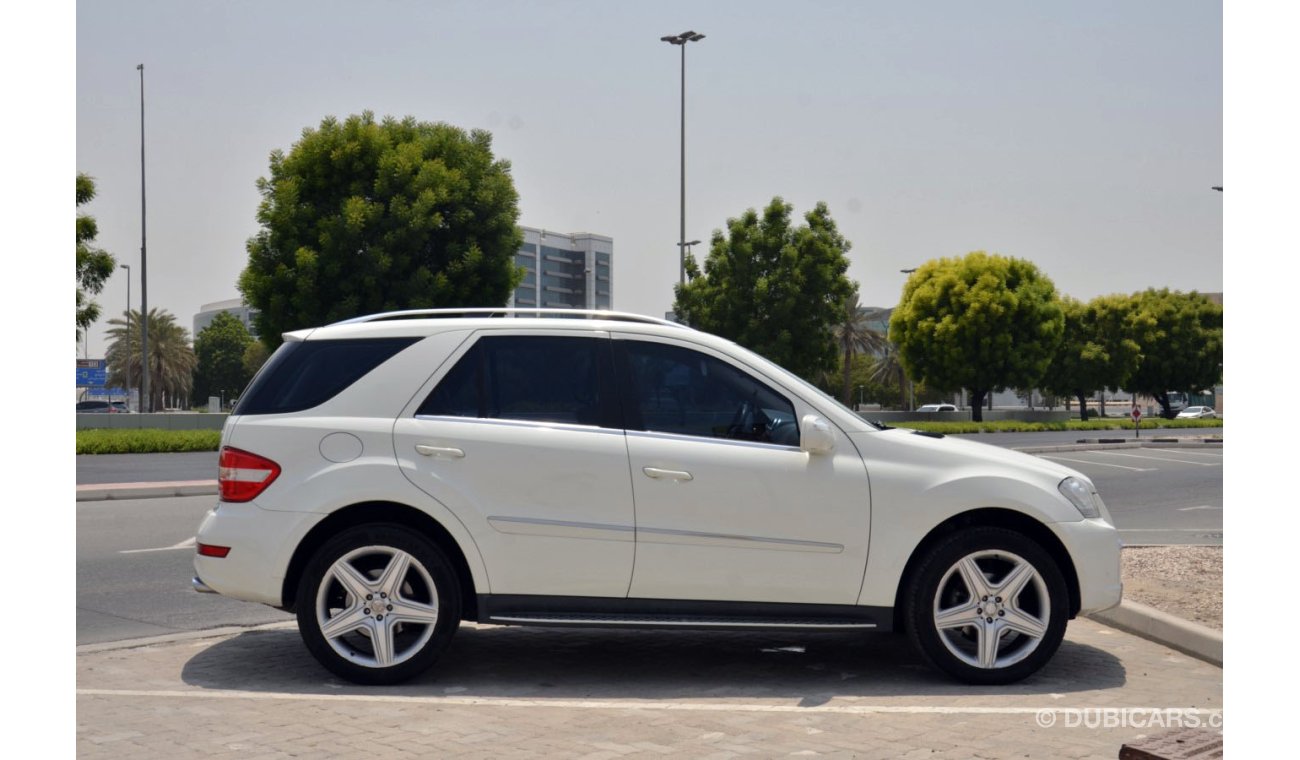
530 378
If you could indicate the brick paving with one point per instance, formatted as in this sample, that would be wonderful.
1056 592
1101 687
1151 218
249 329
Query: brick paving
534 692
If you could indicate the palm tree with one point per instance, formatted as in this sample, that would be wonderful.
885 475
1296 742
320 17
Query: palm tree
889 366
171 359
856 335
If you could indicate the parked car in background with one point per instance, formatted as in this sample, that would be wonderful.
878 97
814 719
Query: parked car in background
388 477
1198 412
97 407
936 408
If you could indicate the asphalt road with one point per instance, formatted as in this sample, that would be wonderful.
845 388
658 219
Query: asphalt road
134 564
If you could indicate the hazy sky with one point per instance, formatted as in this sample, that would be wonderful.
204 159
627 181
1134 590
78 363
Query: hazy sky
1081 136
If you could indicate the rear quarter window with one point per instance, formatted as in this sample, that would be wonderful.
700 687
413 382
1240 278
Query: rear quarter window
304 374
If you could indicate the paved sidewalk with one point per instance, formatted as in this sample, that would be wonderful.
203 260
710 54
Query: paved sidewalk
533 692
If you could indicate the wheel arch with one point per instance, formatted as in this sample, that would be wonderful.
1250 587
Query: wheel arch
363 513
992 517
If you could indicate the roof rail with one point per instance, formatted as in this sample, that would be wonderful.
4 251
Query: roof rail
506 311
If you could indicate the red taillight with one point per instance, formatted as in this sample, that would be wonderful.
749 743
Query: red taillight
210 550
241 476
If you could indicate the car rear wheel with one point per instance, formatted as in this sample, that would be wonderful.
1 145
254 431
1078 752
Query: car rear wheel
988 606
378 604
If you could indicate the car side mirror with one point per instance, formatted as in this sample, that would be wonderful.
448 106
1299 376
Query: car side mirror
815 435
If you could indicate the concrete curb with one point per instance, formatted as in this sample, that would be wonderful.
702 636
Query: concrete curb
1174 632
116 491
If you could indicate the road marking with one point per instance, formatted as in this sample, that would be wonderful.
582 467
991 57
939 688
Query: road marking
583 704
1100 464
1162 459
1193 509
1189 452
186 544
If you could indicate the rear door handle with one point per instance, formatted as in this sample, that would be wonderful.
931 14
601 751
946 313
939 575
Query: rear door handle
442 452
659 474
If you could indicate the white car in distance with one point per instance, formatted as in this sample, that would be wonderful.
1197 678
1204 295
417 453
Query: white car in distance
388 477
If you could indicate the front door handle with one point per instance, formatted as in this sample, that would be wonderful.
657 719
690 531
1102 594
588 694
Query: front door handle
442 452
659 474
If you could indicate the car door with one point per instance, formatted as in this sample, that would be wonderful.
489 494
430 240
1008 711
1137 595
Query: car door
728 506
521 438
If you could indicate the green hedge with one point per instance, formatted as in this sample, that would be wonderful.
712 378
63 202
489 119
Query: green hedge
146 441
1015 426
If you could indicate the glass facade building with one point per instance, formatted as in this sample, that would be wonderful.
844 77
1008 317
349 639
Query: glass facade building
565 270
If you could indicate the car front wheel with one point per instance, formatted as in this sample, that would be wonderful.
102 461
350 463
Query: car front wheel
378 604
988 606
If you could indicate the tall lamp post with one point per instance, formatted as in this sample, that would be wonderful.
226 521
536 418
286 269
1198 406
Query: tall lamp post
680 40
145 405
127 267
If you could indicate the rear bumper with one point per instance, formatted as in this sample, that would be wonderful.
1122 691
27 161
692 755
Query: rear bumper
261 544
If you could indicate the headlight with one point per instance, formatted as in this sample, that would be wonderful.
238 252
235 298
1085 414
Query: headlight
1080 496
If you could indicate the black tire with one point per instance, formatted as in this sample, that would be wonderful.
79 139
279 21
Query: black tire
427 590
993 549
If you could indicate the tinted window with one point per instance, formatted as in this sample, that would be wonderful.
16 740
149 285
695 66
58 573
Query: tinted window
303 374
534 378
677 390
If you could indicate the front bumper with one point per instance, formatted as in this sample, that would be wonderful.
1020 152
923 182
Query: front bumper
1094 547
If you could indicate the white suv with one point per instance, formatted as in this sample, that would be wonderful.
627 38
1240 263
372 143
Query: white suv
390 476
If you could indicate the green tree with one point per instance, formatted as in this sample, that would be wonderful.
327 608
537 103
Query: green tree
255 355
364 216
171 360
1098 349
774 288
219 349
1181 335
94 266
982 322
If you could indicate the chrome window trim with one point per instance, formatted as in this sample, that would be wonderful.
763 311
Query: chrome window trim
508 422
708 439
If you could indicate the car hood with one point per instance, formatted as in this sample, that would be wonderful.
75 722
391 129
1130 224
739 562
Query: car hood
949 452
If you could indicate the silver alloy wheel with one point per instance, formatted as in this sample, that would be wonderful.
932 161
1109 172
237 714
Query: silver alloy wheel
377 606
992 609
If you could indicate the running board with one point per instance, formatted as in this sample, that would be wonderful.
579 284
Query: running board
596 612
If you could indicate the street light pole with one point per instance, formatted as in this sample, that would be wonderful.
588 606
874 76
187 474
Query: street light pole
680 40
127 267
145 405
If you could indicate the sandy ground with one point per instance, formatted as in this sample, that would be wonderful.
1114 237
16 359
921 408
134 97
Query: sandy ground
1186 581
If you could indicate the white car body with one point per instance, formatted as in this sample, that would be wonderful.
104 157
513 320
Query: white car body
577 514
1198 412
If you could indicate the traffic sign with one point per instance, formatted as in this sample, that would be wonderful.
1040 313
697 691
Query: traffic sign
1136 413
91 373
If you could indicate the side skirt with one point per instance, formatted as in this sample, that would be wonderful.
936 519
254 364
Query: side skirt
603 612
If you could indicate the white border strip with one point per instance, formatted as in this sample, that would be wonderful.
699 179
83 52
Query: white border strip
582 704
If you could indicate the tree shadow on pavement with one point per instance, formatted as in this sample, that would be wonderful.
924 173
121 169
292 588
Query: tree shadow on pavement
529 663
